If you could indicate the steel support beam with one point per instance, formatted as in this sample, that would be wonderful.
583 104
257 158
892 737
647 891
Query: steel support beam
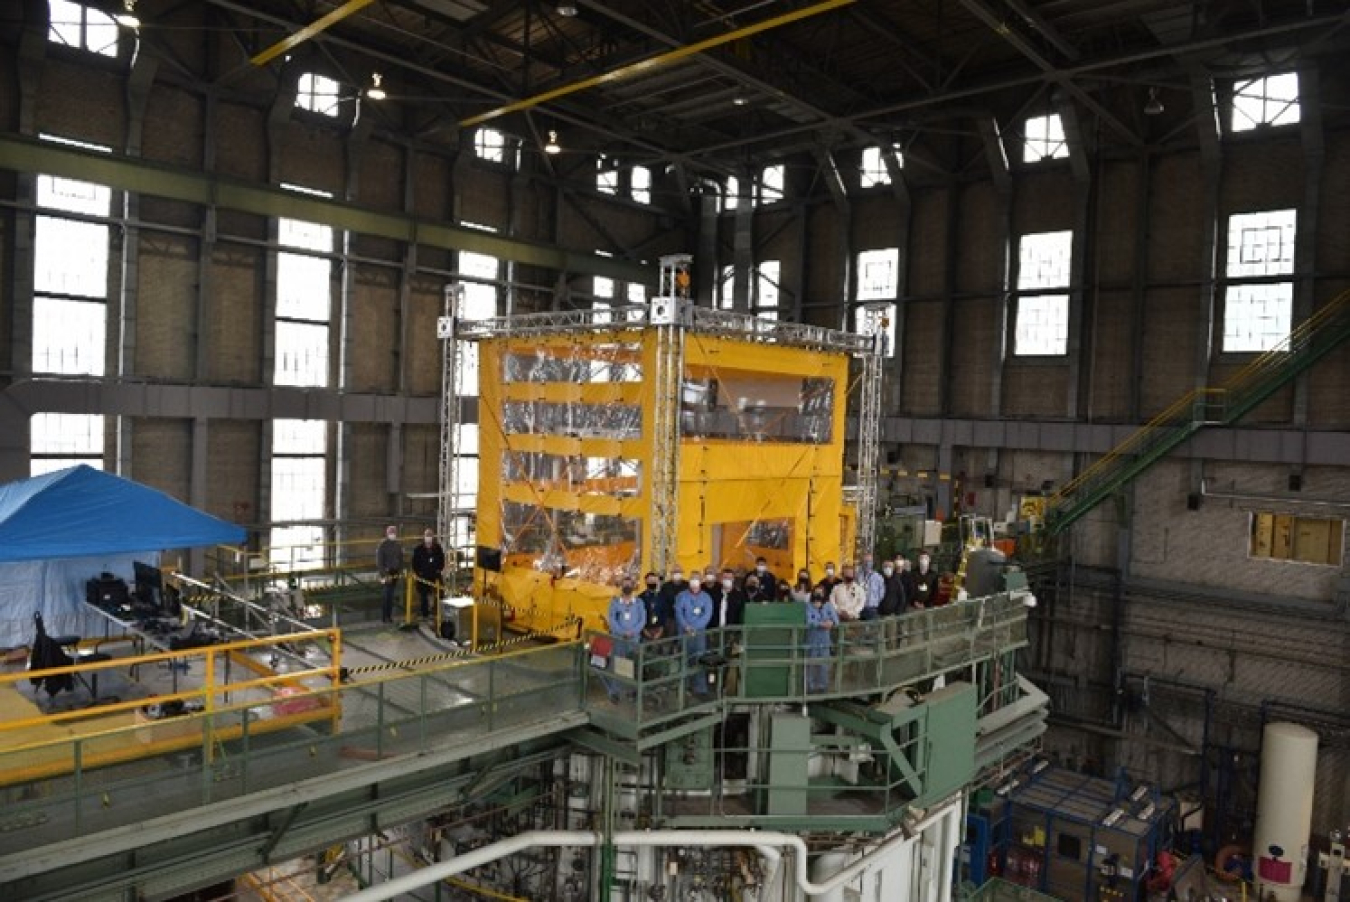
27 155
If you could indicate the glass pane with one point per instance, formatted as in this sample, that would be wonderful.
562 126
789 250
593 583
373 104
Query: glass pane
877 270
1042 325
1044 139
69 336
309 236
1261 244
299 436
641 181
74 195
39 466
66 18
1257 317
70 434
304 287
301 354
70 257
100 33
1044 260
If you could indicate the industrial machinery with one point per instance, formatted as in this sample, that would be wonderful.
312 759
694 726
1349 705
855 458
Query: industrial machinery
656 437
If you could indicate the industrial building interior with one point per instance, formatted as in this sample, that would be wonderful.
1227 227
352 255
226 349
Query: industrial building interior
1056 292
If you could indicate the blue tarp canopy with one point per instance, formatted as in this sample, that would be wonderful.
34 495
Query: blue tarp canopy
80 511
61 529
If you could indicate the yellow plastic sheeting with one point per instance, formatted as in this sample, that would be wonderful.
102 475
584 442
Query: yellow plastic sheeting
705 353
714 460
540 601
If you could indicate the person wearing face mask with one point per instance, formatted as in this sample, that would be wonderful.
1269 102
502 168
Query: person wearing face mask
389 561
624 619
874 588
428 564
693 613
831 579
768 583
654 626
713 586
670 591
765 587
821 620
731 602
895 601
848 597
923 584
801 589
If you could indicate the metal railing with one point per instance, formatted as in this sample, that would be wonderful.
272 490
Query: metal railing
252 736
641 687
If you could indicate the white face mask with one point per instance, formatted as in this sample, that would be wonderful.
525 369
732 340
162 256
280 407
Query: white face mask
829 571
923 565
694 585
760 568
426 540
677 576
727 584
391 535
888 570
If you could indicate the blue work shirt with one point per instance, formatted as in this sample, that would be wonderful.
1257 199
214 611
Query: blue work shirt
875 584
693 611
626 618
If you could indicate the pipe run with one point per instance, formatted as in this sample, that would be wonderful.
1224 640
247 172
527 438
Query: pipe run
767 843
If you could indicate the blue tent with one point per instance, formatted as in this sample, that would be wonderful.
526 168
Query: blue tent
60 529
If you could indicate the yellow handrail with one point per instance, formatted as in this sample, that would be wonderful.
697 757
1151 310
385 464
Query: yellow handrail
1187 402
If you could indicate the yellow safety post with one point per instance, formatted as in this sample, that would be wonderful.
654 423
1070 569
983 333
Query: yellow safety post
209 726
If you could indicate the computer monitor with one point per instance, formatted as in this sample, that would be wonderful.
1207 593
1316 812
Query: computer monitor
149 583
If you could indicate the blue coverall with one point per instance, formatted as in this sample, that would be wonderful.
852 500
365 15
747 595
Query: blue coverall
693 611
625 619
818 643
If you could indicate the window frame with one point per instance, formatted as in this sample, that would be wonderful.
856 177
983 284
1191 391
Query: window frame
1336 533
1059 150
1238 89
871 296
121 47
307 101
1238 276
503 155
1042 290
879 174
767 194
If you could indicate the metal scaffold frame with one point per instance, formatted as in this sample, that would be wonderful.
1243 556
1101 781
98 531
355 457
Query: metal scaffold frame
673 316
869 422
452 415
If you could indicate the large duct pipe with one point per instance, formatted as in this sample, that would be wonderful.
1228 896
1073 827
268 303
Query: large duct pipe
1284 802
767 842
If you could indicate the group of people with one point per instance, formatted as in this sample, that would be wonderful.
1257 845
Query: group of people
428 566
687 608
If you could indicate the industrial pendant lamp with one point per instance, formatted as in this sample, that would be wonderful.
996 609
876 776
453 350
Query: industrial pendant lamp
376 91
552 146
127 18
1154 107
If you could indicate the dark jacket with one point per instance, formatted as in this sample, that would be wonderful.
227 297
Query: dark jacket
429 563
735 604
896 600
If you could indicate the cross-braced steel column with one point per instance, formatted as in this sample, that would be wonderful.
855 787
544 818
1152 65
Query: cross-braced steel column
452 377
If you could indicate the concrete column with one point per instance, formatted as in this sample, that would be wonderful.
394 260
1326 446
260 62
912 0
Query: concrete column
997 158
1081 272
1211 165
743 244
905 210
1309 215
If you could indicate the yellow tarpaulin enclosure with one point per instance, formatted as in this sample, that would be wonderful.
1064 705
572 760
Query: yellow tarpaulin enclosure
571 431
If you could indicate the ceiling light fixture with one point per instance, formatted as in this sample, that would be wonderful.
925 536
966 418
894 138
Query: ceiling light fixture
739 101
552 146
375 91
567 10
1154 107
127 18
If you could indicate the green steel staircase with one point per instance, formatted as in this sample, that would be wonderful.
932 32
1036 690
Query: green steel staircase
1201 407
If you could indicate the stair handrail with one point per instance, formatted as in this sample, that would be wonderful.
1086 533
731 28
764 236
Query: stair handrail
1297 339
1171 416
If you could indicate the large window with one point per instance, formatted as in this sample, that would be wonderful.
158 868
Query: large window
640 184
1258 309
480 302
74 25
299 489
318 94
1042 316
1271 100
731 196
1044 139
726 288
872 170
1307 540
304 302
878 280
606 175
767 293
60 440
771 184
70 275
602 291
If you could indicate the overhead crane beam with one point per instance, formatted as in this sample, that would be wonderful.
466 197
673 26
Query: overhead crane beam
346 10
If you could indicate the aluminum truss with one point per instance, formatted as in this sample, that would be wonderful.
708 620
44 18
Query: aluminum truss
453 354
868 444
